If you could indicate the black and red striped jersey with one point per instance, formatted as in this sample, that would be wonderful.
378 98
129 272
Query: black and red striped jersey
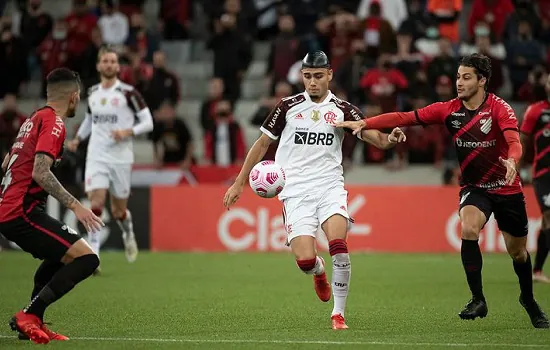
536 123
42 132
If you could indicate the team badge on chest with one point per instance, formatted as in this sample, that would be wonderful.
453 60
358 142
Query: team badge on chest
485 125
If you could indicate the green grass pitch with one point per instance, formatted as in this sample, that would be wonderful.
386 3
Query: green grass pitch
262 301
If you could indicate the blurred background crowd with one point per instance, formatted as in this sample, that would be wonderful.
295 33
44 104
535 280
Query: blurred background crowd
211 70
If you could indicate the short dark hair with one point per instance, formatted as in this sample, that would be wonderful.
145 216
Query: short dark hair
62 75
480 63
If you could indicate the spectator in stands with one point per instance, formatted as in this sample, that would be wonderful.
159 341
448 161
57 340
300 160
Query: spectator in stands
129 7
408 60
267 25
444 63
137 73
445 14
544 13
88 72
285 50
534 88
338 31
372 154
419 86
10 121
282 89
394 11
492 12
429 45
224 142
444 89
145 40
378 33
54 51
417 21
172 139
496 52
113 24
524 11
13 60
175 18
232 55
348 76
383 83
163 85
81 21
35 24
305 12
209 106
523 53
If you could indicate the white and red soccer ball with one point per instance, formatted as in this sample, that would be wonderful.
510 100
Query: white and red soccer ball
267 179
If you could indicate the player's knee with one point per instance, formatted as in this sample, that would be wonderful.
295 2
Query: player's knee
469 231
118 213
305 263
518 254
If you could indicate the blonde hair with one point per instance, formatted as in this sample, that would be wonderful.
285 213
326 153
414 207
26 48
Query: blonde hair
105 50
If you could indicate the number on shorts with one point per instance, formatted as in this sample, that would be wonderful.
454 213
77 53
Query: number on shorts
7 177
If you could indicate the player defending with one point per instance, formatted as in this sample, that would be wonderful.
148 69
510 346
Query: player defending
310 151
535 132
109 121
67 259
485 132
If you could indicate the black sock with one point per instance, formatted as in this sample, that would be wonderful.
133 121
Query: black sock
525 278
542 250
44 274
473 262
62 282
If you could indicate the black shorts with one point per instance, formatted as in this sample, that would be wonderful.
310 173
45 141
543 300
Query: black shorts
509 210
542 190
39 234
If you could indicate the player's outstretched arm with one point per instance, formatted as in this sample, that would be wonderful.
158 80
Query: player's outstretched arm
84 130
255 154
44 177
382 140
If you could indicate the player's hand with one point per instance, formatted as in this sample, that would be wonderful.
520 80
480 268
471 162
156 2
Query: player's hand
511 171
73 145
90 221
397 135
120 135
232 195
356 126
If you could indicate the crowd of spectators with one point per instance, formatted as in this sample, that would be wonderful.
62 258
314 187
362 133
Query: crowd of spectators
387 55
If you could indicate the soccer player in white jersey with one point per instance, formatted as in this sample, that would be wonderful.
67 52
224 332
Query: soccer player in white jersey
110 123
310 151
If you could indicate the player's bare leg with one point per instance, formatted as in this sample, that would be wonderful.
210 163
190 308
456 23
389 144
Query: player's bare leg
97 199
119 208
517 248
335 229
310 263
472 220
543 246
79 263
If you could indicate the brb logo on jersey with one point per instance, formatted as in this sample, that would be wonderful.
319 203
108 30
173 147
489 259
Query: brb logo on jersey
105 119
313 138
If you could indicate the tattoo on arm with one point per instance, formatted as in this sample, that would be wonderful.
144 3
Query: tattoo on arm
47 180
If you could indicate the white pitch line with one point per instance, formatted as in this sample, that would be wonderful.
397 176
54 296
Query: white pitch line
304 342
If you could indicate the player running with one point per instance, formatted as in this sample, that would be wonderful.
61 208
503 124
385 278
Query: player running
485 132
310 151
535 132
67 259
112 109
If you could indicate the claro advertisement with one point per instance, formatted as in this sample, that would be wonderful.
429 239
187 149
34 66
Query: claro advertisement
387 219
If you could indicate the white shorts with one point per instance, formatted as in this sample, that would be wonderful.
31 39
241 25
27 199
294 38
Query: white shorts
113 177
304 215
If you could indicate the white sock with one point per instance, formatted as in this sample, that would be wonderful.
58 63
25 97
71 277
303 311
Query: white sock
94 241
341 273
126 225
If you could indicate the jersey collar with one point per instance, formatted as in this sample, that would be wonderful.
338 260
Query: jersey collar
327 99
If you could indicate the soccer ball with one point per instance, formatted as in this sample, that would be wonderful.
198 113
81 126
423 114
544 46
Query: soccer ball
267 179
